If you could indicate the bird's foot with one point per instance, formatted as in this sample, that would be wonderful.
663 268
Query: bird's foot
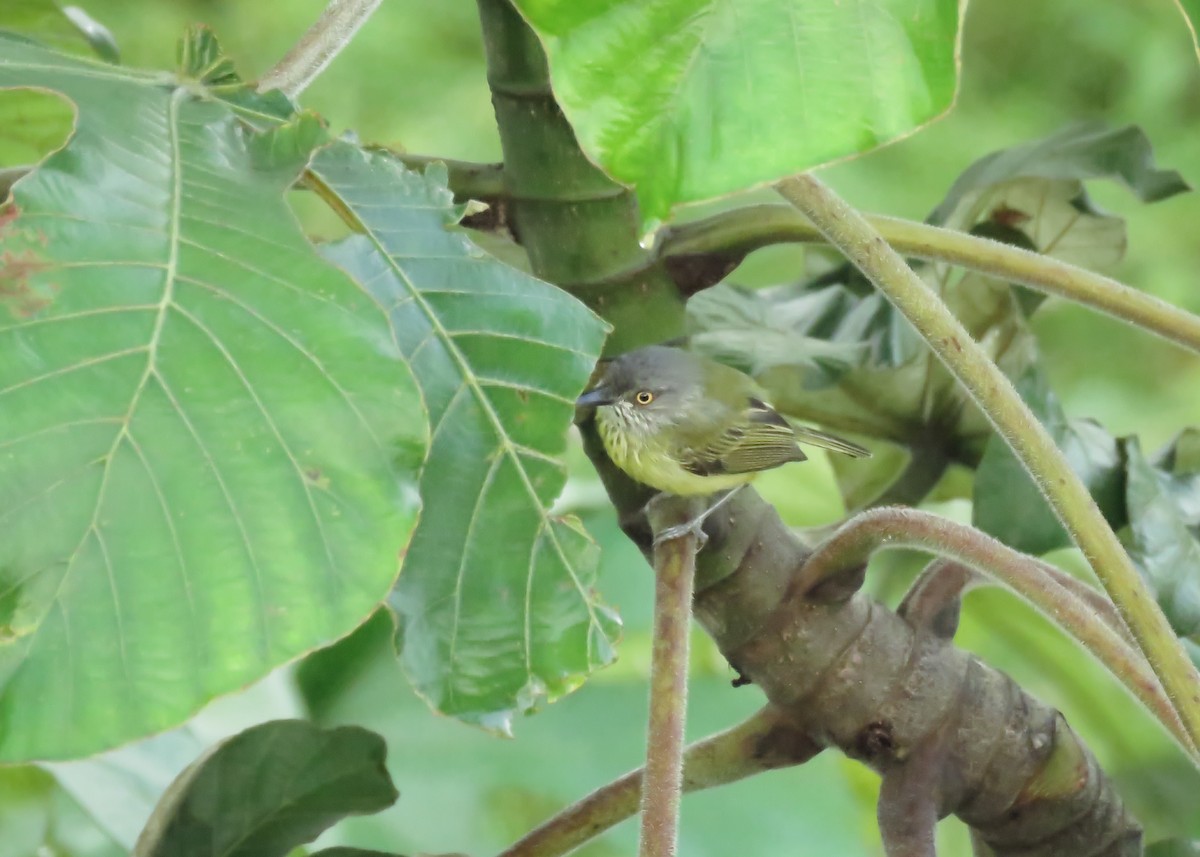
694 527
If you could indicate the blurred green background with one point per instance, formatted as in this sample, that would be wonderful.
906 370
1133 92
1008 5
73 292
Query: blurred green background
414 79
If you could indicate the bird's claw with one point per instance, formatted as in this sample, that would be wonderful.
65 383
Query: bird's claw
694 527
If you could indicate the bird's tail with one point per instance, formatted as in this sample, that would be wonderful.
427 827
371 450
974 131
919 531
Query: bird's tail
812 437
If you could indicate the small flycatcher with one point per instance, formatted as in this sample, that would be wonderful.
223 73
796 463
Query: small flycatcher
686 425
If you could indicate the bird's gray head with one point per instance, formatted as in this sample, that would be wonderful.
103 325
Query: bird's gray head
649 388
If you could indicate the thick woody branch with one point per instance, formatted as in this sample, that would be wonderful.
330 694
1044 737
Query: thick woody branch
1082 612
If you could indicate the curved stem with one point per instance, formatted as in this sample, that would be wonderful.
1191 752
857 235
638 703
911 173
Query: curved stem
316 48
1064 600
1033 446
764 742
745 229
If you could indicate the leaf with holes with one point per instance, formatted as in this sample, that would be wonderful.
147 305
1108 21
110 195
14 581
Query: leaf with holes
691 99
208 438
495 599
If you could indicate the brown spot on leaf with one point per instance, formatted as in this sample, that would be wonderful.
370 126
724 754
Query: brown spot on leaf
17 268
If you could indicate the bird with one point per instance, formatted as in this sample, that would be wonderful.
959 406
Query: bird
686 425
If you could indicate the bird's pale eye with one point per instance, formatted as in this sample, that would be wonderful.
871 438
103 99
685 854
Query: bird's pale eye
644 397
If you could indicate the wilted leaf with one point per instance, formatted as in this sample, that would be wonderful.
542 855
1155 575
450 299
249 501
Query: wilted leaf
698 98
495 600
1163 497
208 440
268 790
1010 507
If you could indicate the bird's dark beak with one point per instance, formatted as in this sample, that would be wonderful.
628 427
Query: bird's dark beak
595 398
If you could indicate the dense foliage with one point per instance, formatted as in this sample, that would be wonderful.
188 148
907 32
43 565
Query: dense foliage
261 393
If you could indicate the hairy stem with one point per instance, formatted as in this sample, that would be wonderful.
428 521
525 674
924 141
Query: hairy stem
316 48
764 742
1033 446
742 230
674 580
1083 614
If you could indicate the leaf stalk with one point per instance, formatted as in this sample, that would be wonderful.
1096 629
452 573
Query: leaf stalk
749 228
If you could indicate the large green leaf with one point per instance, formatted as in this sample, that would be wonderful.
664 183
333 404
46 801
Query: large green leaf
271 788
208 438
1164 526
691 99
1010 507
495 600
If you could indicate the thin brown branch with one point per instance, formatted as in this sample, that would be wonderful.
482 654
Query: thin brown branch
764 742
674 576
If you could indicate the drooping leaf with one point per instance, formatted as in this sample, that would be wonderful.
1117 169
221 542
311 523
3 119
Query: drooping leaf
66 28
1078 153
495 601
208 439
692 99
1010 507
1163 496
268 790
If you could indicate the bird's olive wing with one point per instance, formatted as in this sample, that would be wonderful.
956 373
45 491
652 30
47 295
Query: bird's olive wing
762 439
